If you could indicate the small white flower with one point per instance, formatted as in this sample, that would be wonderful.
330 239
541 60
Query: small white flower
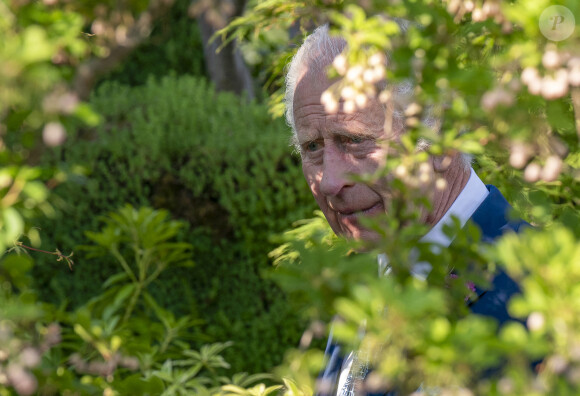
53 134
536 321
551 59
349 106
532 172
354 72
552 168
340 64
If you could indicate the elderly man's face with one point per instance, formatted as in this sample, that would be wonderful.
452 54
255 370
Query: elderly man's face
336 146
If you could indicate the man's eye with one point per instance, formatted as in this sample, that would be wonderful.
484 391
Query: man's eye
352 140
312 146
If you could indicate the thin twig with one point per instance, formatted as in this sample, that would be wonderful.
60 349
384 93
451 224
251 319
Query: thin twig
57 253
576 105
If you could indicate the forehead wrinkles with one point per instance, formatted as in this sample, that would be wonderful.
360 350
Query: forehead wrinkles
313 117
310 116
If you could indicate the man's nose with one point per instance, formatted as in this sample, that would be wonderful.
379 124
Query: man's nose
335 171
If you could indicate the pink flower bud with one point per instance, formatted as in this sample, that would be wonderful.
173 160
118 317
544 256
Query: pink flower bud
532 172
354 73
53 134
361 100
551 59
529 74
498 96
555 87
377 59
340 64
477 15
552 168
574 62
23 382
349 106
29 357
574 76
348 92
536 321
490 8
369 76
379 71
535 86
331 107
326 97
519 155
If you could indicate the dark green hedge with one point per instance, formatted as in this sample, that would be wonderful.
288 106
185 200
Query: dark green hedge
211 159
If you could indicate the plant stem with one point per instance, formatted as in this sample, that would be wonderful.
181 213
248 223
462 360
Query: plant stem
57 253
124 264
38 250
576 105
132 303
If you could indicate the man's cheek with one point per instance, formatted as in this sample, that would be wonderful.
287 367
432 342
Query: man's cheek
313 182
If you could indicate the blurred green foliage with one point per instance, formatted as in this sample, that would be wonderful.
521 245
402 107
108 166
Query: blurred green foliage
218 163
173 47
113 349
31 35
134 324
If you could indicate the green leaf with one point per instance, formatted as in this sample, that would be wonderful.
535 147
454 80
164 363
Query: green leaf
137 385
122 294
12 224
121 276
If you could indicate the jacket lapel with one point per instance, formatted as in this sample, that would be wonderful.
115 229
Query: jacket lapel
493 217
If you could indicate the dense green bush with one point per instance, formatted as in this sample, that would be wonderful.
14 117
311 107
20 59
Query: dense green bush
211 159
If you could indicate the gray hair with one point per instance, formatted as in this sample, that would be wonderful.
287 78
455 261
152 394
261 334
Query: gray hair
317 52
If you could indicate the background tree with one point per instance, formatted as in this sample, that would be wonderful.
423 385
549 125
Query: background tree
224 63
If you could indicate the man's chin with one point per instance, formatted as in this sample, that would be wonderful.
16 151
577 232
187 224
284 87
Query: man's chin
357 231
361 234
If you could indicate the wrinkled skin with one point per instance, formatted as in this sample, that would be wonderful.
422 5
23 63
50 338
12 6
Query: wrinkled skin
336 146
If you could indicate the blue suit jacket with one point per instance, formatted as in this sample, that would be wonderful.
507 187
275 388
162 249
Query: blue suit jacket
492 218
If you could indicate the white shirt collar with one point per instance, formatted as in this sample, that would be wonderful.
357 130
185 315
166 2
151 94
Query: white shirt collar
464 206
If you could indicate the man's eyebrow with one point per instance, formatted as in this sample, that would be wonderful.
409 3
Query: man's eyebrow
352 133
349 134
309 137
314 135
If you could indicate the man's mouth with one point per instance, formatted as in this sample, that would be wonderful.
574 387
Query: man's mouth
348 213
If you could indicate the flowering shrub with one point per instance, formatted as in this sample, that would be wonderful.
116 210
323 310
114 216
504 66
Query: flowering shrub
500 88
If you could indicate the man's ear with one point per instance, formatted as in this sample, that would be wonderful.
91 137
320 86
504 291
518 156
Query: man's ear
441 163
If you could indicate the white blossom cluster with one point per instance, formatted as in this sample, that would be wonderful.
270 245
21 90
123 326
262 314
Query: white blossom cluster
563 72
480 11
421 176
19 358
103 368
503 95
521 153
358 84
